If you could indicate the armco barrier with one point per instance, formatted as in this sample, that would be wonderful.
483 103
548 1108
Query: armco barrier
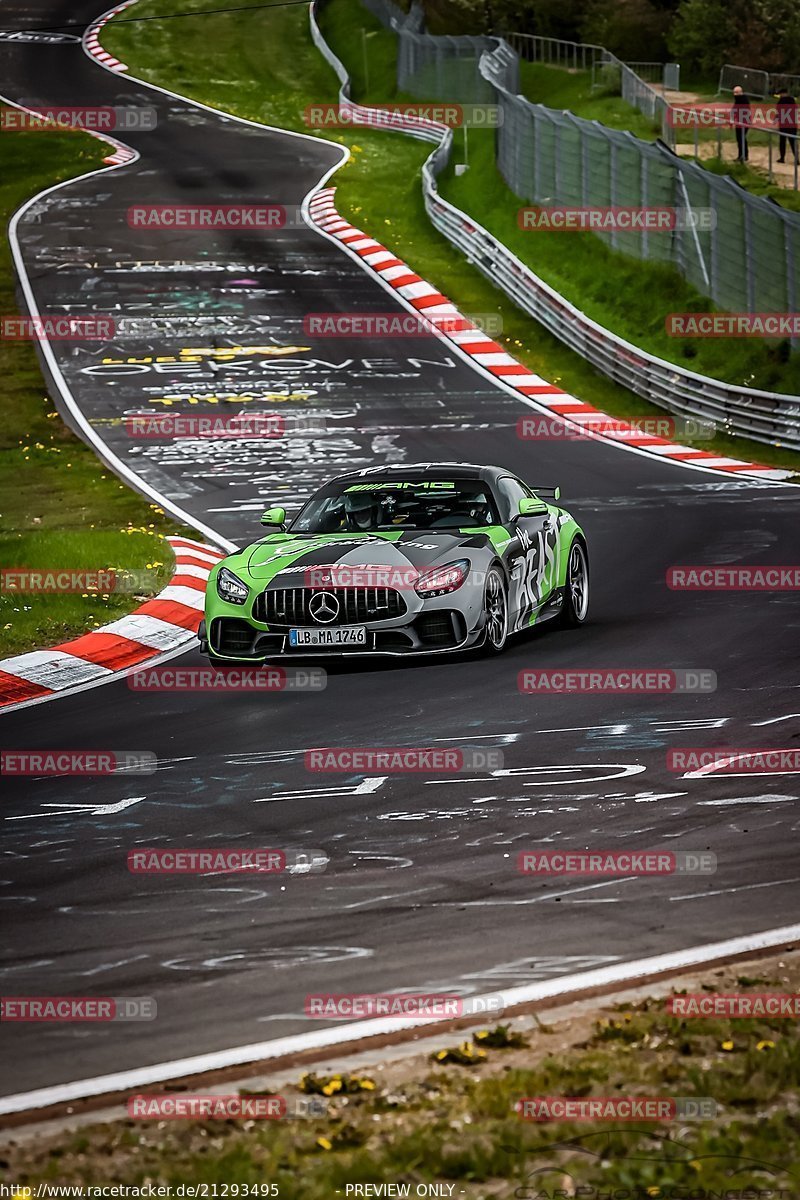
767 417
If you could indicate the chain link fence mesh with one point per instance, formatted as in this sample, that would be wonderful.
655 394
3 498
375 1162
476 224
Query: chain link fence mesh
741 250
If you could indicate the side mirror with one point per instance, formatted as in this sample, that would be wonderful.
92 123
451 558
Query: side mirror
274 516
531 507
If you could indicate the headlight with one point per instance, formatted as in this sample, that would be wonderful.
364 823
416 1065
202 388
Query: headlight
442 580
230 588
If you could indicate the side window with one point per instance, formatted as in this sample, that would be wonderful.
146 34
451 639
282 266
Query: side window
509 492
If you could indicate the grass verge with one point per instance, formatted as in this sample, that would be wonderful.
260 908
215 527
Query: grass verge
452 1117
262 64
59 507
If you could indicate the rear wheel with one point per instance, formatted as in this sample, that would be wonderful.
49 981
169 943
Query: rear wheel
576 586
495 604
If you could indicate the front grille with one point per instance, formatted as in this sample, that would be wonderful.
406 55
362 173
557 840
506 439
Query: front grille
289 607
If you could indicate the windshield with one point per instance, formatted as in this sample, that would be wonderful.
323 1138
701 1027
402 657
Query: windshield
393 504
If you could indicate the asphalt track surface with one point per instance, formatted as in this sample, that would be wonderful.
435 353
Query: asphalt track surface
421 889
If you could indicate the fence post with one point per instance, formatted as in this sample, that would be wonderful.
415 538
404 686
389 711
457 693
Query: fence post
748 258
643 191
612 174
714 198
791 278
557 163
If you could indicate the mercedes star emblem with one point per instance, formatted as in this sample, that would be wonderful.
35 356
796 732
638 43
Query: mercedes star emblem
324 607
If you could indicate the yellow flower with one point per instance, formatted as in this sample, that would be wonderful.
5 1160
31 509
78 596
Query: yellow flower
324 1144
727 1045
765 1045
440 1054
367 1085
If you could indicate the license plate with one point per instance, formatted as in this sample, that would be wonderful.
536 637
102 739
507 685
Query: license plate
345 635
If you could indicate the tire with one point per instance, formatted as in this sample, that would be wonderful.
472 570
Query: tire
576 586
495 603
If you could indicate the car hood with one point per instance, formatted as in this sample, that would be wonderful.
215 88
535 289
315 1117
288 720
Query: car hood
281 558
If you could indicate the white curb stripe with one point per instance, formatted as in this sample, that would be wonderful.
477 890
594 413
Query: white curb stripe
54 669
322 1039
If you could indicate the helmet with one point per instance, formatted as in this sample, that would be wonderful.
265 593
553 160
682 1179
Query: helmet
361 510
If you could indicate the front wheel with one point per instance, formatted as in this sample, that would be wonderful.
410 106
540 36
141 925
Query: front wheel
496 608
576 587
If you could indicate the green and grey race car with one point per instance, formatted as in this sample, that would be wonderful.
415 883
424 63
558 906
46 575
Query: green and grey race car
419 559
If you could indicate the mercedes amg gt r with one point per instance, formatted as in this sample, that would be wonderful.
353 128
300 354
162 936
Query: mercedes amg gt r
420 559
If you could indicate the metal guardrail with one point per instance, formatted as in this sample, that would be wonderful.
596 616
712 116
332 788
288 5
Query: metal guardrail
768 417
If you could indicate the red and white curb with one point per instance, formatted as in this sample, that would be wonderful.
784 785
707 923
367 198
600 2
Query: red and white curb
91 39
92 47
496 360
165 623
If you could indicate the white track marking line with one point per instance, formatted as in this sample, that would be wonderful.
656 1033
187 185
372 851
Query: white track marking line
324 1039
89 433
744 887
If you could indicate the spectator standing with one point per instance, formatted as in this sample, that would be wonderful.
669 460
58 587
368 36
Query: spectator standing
741 119
787 124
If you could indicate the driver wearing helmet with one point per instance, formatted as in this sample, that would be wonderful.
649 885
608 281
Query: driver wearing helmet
361 511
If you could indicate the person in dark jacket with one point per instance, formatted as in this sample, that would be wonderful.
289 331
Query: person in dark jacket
741 119
787 124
